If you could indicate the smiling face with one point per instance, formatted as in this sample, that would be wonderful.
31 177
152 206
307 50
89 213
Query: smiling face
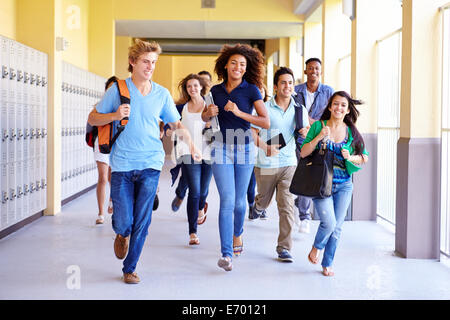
339 107
193 88
144 66
285 86
313 71
236 67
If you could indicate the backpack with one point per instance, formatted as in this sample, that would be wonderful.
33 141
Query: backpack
105 134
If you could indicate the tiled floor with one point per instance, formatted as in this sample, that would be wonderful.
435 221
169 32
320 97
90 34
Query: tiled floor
68 257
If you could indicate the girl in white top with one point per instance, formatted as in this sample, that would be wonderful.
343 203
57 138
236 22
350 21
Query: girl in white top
198 174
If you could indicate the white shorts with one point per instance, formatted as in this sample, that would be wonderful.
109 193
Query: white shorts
98 156
101 157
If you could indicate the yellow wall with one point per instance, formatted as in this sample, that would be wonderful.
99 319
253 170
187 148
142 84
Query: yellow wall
8 18
312 42
336 40
421 69
171 69
75 15
122 45
226 10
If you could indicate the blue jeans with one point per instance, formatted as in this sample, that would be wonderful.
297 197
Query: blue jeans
198 176
303 205
332 212
232 169
132 193
182 187
251 190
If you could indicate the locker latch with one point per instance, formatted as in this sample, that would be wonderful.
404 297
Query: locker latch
4 197
5 135
4 72
12 74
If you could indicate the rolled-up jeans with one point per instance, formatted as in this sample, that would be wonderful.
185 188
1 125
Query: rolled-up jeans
332 211
232 168
133 193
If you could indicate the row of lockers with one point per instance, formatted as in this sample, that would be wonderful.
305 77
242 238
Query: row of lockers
23 127
81 90
24 190
23 100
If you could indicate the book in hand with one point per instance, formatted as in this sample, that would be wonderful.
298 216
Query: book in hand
214 121
278 139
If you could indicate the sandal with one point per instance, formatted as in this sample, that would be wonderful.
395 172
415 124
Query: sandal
237 249
100 219
327 272
194 241
201 220
110 206
315 260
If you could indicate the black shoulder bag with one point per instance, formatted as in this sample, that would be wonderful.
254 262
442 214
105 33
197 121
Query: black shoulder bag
313 176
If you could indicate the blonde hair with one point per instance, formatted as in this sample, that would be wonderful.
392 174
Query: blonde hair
139 47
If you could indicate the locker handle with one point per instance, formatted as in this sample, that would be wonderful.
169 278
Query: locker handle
44 83
19 75
12 194
26 77
38 80
4 72
32 79
26 189
12 74
4 197
5 135
13 135
19 192
19 134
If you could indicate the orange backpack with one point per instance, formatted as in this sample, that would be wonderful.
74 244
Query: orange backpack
105 134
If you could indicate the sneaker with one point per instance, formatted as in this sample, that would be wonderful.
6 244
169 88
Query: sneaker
285 256
176 203
263 215
131 278
225 263
121 246
304 226
254 214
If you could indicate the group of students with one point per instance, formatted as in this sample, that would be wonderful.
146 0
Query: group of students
237 153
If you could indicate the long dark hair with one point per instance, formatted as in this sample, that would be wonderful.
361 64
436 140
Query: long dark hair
349 119
254 72
182 87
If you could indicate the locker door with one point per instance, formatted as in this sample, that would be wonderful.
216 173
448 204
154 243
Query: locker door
19 190
43 200
19 101
26 104
4 195
12 145
12 193
26 189
4 96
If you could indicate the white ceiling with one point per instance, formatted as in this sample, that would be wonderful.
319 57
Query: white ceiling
176 29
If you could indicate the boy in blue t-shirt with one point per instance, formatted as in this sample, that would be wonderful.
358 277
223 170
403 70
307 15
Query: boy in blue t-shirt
137 156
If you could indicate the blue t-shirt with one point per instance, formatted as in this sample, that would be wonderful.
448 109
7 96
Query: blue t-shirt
280 122
139 146
244 96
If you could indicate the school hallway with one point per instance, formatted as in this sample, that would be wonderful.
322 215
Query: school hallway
68 257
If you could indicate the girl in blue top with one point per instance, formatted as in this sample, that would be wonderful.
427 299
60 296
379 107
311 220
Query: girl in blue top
337 129
241 68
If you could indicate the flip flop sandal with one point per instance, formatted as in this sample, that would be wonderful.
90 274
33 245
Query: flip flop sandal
201 220
110 207
100 220
194 241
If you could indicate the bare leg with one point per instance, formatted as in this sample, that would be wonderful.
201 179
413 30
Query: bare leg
101 185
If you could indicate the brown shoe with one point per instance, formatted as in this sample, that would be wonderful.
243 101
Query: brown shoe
121 246
131 278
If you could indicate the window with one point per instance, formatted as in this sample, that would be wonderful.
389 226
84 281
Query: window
445 137
388 100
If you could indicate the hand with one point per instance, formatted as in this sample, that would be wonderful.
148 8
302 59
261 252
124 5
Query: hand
272 150
304 131
345 154
169 132
196 154
325 132
231 106
123 111
212 110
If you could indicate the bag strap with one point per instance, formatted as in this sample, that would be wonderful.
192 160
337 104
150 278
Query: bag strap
124 99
